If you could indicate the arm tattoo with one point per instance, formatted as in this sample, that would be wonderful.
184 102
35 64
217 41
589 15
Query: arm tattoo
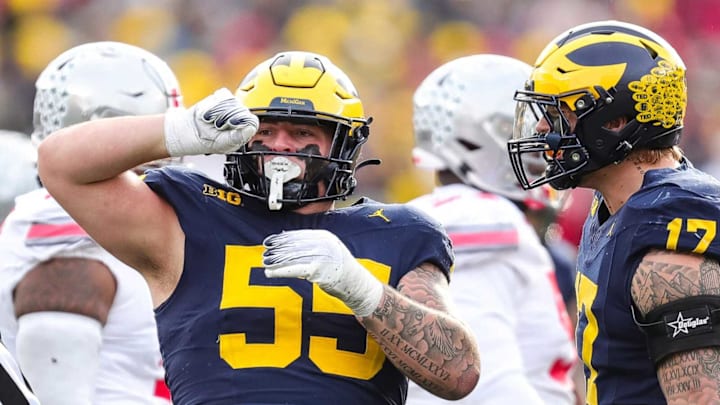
418 335
710 277
413 317
693 376
658 282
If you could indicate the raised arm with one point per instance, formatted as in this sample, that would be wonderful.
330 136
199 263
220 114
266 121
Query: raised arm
690 375
86 167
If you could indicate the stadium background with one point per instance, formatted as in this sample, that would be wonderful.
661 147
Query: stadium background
385 46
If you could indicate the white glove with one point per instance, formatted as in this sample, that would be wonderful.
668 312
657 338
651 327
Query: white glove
320 257
219 123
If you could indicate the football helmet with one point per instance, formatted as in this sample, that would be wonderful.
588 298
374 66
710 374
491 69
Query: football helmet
308 88
19 173
462 119
600 72
98 80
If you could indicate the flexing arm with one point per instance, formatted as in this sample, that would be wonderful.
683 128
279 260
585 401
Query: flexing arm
693 376
420 337
86 168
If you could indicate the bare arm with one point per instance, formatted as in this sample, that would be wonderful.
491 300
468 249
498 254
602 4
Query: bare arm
85 167
690 377
424 341
76 285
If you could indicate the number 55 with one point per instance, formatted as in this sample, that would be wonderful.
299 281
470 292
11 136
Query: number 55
287 305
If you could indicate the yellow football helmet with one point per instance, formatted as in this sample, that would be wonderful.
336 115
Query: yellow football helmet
301 87
600 71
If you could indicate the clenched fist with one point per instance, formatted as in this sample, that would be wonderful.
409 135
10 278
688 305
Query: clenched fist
219 123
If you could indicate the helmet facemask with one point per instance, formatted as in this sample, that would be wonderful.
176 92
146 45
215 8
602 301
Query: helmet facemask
258 172
561 149
625 87
300 88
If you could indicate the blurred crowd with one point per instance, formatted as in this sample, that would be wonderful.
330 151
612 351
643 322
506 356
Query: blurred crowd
387 46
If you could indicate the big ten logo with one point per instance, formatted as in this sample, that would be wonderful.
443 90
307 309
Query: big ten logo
230 197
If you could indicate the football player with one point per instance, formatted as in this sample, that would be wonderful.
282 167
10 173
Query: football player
504 280
78 320
604 105
266 292
18 176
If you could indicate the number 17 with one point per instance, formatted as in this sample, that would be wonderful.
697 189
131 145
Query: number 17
693 226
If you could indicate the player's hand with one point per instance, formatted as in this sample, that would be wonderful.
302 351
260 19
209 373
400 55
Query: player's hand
320 257
219 123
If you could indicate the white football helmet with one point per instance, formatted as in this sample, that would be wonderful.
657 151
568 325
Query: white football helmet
18 173
462 119
101 79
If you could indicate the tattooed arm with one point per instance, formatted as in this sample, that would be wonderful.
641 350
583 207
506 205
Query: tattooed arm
422 338
693 376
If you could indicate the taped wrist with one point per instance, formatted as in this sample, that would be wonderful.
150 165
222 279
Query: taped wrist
181 136
685 324
366 293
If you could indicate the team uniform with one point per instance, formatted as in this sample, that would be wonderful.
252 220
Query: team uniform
13 390
676 209
230 335
130 369
505 289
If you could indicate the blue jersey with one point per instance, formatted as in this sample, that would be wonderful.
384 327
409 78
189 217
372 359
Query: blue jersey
676 209
229 335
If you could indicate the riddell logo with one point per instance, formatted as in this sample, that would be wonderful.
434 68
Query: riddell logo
687 325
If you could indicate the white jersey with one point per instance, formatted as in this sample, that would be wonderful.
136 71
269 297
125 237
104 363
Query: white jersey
504 288
130 369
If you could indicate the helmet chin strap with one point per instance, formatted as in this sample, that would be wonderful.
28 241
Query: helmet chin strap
279 170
